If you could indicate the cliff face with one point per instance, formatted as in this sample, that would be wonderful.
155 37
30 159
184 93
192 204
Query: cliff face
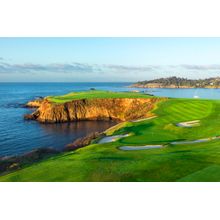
120 109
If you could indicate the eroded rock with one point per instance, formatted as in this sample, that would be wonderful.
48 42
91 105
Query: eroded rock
35 103
84 141
119 109
16 162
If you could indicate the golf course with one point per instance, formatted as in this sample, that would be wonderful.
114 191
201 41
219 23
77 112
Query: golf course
179 143
94 94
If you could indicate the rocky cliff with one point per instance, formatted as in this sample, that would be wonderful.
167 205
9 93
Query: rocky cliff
121 109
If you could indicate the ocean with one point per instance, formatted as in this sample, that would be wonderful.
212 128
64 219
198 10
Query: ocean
18 136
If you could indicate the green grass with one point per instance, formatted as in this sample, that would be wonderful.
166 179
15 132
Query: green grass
92 94
105 162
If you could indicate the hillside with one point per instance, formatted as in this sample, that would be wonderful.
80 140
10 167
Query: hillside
177 82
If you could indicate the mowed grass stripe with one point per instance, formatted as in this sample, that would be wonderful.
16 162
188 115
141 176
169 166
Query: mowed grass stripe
187 109
188 112
179 116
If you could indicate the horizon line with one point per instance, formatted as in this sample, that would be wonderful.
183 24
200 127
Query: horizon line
67 82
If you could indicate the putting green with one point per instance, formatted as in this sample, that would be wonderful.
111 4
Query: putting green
106 162
92 94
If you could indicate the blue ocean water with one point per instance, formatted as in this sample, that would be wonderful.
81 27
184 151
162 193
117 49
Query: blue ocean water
18 136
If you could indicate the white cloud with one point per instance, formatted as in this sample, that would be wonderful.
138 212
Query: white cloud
109 71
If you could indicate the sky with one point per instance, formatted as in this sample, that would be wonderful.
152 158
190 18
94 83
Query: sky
107 59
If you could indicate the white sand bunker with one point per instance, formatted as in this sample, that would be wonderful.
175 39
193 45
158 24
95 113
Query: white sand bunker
143 119
195 141
190 142
140 147
112 138
189 124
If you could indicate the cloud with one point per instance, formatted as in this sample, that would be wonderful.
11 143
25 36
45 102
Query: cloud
51 68
131 68
71 68
104 69
201 67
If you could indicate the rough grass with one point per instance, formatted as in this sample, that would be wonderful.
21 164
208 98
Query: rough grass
92 94
105 162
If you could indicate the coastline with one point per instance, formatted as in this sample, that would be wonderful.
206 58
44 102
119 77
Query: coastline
171 87
12 163
141 143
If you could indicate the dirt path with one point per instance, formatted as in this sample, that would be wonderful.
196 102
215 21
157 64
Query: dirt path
143 119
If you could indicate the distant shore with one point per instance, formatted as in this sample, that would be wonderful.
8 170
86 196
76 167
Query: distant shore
179 83
147 86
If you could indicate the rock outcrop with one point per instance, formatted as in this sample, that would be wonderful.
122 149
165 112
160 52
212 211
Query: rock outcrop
35 103
84 141
119 109
12 163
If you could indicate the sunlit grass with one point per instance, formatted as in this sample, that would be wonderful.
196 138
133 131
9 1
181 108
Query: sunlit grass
106 162
93 94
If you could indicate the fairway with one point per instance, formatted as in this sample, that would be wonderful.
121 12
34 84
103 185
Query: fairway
107 161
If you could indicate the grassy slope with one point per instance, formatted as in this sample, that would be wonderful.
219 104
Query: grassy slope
95 94
105 162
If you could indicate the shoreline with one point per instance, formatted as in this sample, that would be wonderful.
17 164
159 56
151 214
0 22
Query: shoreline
171 87
14 162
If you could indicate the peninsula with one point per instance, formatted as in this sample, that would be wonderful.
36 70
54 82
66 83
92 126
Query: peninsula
178 82
92 105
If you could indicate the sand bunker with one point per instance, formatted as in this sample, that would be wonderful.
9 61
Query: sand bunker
195 141
190 142
189 124
112 138
143 119
140 147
